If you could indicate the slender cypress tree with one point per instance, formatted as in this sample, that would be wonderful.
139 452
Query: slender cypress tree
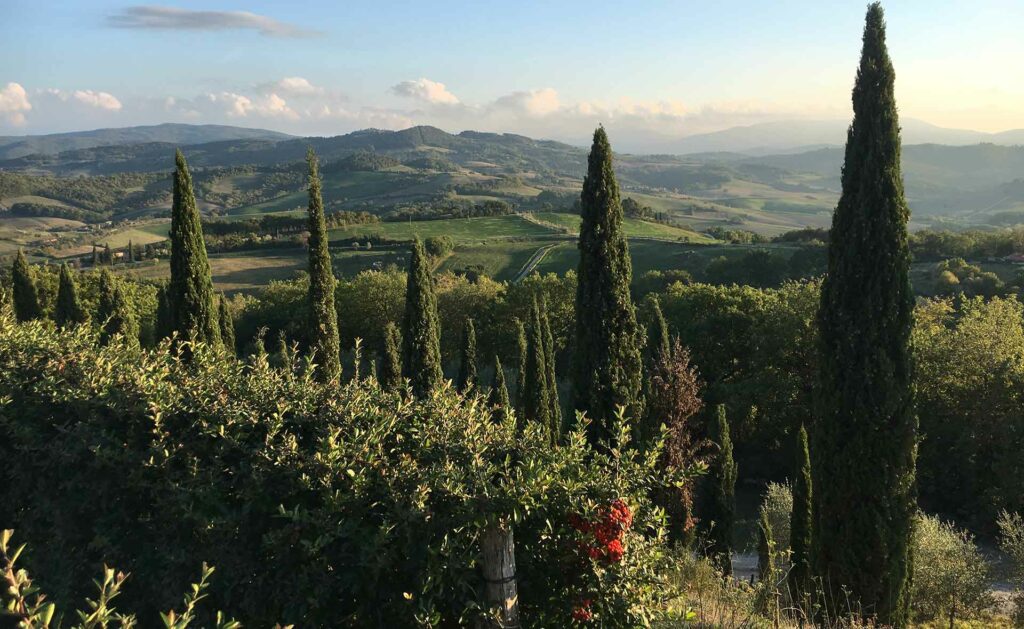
95 255
765 549
658 337
108 256
467 368
538 404
113 312
190 292
551 381
323 323
499 392
421 335
131 252
227 325
606 358
723 500
68 311
865 441
26 298
391 358
800 530
524 355
162 326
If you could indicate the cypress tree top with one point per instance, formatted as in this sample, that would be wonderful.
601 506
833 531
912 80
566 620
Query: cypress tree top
190 292
26 298
865 445
68 310
606 357
323 318
421 331
801 522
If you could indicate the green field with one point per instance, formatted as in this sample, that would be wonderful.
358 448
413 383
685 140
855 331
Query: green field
635 228
499 260
459 229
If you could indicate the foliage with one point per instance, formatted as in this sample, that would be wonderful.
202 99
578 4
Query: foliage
951 577
550 377
866 435
1011 541
226 323
537 406
722 505
801 521
372 505
955 276
391 358
114 314
322 334
26 299
467 366
68 310
607 363
498 396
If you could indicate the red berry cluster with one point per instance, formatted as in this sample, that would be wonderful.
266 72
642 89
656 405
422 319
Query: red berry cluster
606 530
581 612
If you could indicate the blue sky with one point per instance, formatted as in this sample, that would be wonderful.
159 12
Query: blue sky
551 69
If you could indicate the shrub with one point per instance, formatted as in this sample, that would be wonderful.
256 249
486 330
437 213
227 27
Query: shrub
1011 541
951 578
320 507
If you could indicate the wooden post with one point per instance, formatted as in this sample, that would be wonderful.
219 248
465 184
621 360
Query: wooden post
499 568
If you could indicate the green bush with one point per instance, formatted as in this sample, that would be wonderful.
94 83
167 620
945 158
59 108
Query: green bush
1011 541
319 507
951 577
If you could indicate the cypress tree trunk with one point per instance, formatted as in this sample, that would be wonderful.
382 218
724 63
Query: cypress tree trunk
499 392
391 359
524 357
68 311
606 357
26 299
323 317
723 501
800 531
190 292
113 312
227 325
467 368
865 445
421 334
538 403
554 405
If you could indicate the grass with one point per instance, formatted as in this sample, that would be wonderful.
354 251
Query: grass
635 228
236 272
499 260
459 229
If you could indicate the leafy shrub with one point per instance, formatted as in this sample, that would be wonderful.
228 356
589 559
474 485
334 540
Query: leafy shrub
340 508
1011 540
951 578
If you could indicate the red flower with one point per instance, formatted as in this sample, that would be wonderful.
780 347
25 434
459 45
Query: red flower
615 551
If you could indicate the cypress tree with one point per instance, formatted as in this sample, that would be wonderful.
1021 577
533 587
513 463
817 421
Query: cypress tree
467 368
162 325
190 292
499 392
68 311
95 255
323 323
658 337
723 500
524 356
865 442
226 323
800 530
538 404
26 298
551 381
606 360
765 549
285 360
421 337
131 252
113 312
108 257
391 358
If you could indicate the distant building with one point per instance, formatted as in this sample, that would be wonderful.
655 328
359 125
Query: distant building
1015 258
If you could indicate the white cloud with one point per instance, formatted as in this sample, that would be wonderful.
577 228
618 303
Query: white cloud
14 103
293 85
234 105
427 91
540 102
101 100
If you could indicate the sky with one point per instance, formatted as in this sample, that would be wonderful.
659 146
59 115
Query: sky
647 70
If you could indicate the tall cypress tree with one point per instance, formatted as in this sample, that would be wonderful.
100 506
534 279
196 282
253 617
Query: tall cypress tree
538 404
421 331
113 312
391 358
606 358
723 499
95 255
162 326
551 381
68 311
26 298
524 356
499 392
323 318
800 530
131 252
190 292
226 323
865 441
658 337
467 368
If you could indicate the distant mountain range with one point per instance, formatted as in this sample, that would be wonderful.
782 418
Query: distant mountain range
20 146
